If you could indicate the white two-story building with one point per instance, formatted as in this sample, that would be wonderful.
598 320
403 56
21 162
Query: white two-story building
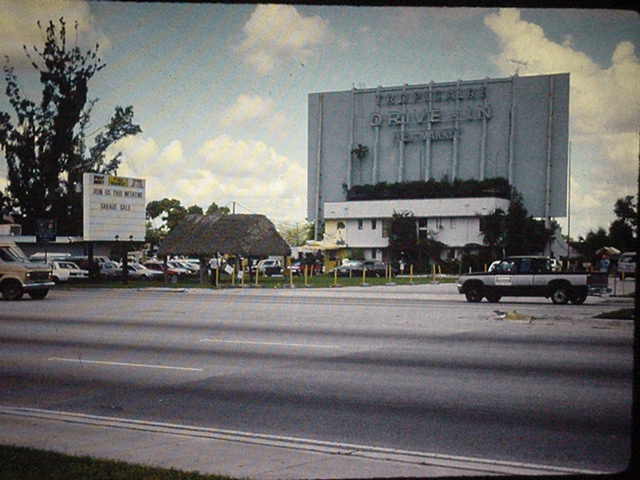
366 225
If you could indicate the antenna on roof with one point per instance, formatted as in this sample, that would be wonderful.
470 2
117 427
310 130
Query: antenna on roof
520 63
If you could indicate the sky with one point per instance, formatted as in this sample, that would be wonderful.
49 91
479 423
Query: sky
220 90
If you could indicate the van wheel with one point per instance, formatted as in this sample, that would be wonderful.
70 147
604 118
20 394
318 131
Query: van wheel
38 294
12 290
560 296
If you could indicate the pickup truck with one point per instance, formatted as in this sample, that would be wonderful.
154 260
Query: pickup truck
530 276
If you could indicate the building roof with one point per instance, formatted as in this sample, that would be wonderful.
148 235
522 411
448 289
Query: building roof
238 234
431 207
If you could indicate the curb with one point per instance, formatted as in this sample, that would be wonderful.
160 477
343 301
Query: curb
486 466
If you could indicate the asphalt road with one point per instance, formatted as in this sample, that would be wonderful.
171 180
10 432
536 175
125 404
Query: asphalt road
413 368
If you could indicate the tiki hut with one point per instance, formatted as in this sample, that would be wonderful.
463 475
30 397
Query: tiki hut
206 236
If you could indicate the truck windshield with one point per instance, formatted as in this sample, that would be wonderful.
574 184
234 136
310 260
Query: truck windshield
12 254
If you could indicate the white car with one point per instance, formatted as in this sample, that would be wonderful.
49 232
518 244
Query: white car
627 264
62 271
137 270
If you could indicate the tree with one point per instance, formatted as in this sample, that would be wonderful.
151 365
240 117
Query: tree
514 232
45 144
169 210
214 208
297 233
194 209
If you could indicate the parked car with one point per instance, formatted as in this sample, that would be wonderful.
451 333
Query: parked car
179 269
627 264
192 268
137 270
374 268
158 266
296 267
67 271
353 267
269 266
110 269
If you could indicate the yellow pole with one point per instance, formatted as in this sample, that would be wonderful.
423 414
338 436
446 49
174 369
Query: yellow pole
306 275
485 267
411 273
364 275
257 275
335 277
290 275
218 274
233 276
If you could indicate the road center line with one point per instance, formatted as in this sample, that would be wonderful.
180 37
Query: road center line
123 364
277 344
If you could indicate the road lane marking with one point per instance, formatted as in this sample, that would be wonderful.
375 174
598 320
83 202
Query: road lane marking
276 344
123 364
476 464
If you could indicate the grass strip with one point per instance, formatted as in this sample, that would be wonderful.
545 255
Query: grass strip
20 463
318 281
622 314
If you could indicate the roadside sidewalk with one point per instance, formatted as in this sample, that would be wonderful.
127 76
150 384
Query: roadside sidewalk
237 454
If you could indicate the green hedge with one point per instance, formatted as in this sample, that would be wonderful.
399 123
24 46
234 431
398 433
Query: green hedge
491 187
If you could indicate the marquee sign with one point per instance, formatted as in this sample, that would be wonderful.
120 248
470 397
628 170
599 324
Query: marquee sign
113 208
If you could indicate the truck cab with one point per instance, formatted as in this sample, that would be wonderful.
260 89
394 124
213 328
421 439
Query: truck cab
18 275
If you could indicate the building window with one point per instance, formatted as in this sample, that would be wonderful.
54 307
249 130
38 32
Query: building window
373 253
386 228
360 222
452 223
373 225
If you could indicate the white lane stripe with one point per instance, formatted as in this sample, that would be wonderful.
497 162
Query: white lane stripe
123 364
277 344
355 450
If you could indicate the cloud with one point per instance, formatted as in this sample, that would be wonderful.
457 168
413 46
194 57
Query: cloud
604 110
276 34
223 170
18 26
254 108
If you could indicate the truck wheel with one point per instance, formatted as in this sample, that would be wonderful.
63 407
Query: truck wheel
578 299
560 296
12 290
473 294
493 297
38 294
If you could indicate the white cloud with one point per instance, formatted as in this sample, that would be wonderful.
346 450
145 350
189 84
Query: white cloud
18 26
604 111
254 108
223 170
275 34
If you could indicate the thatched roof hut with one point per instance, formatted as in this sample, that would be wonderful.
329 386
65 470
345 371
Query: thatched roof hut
206 235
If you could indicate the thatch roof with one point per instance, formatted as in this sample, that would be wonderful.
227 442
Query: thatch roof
206 235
